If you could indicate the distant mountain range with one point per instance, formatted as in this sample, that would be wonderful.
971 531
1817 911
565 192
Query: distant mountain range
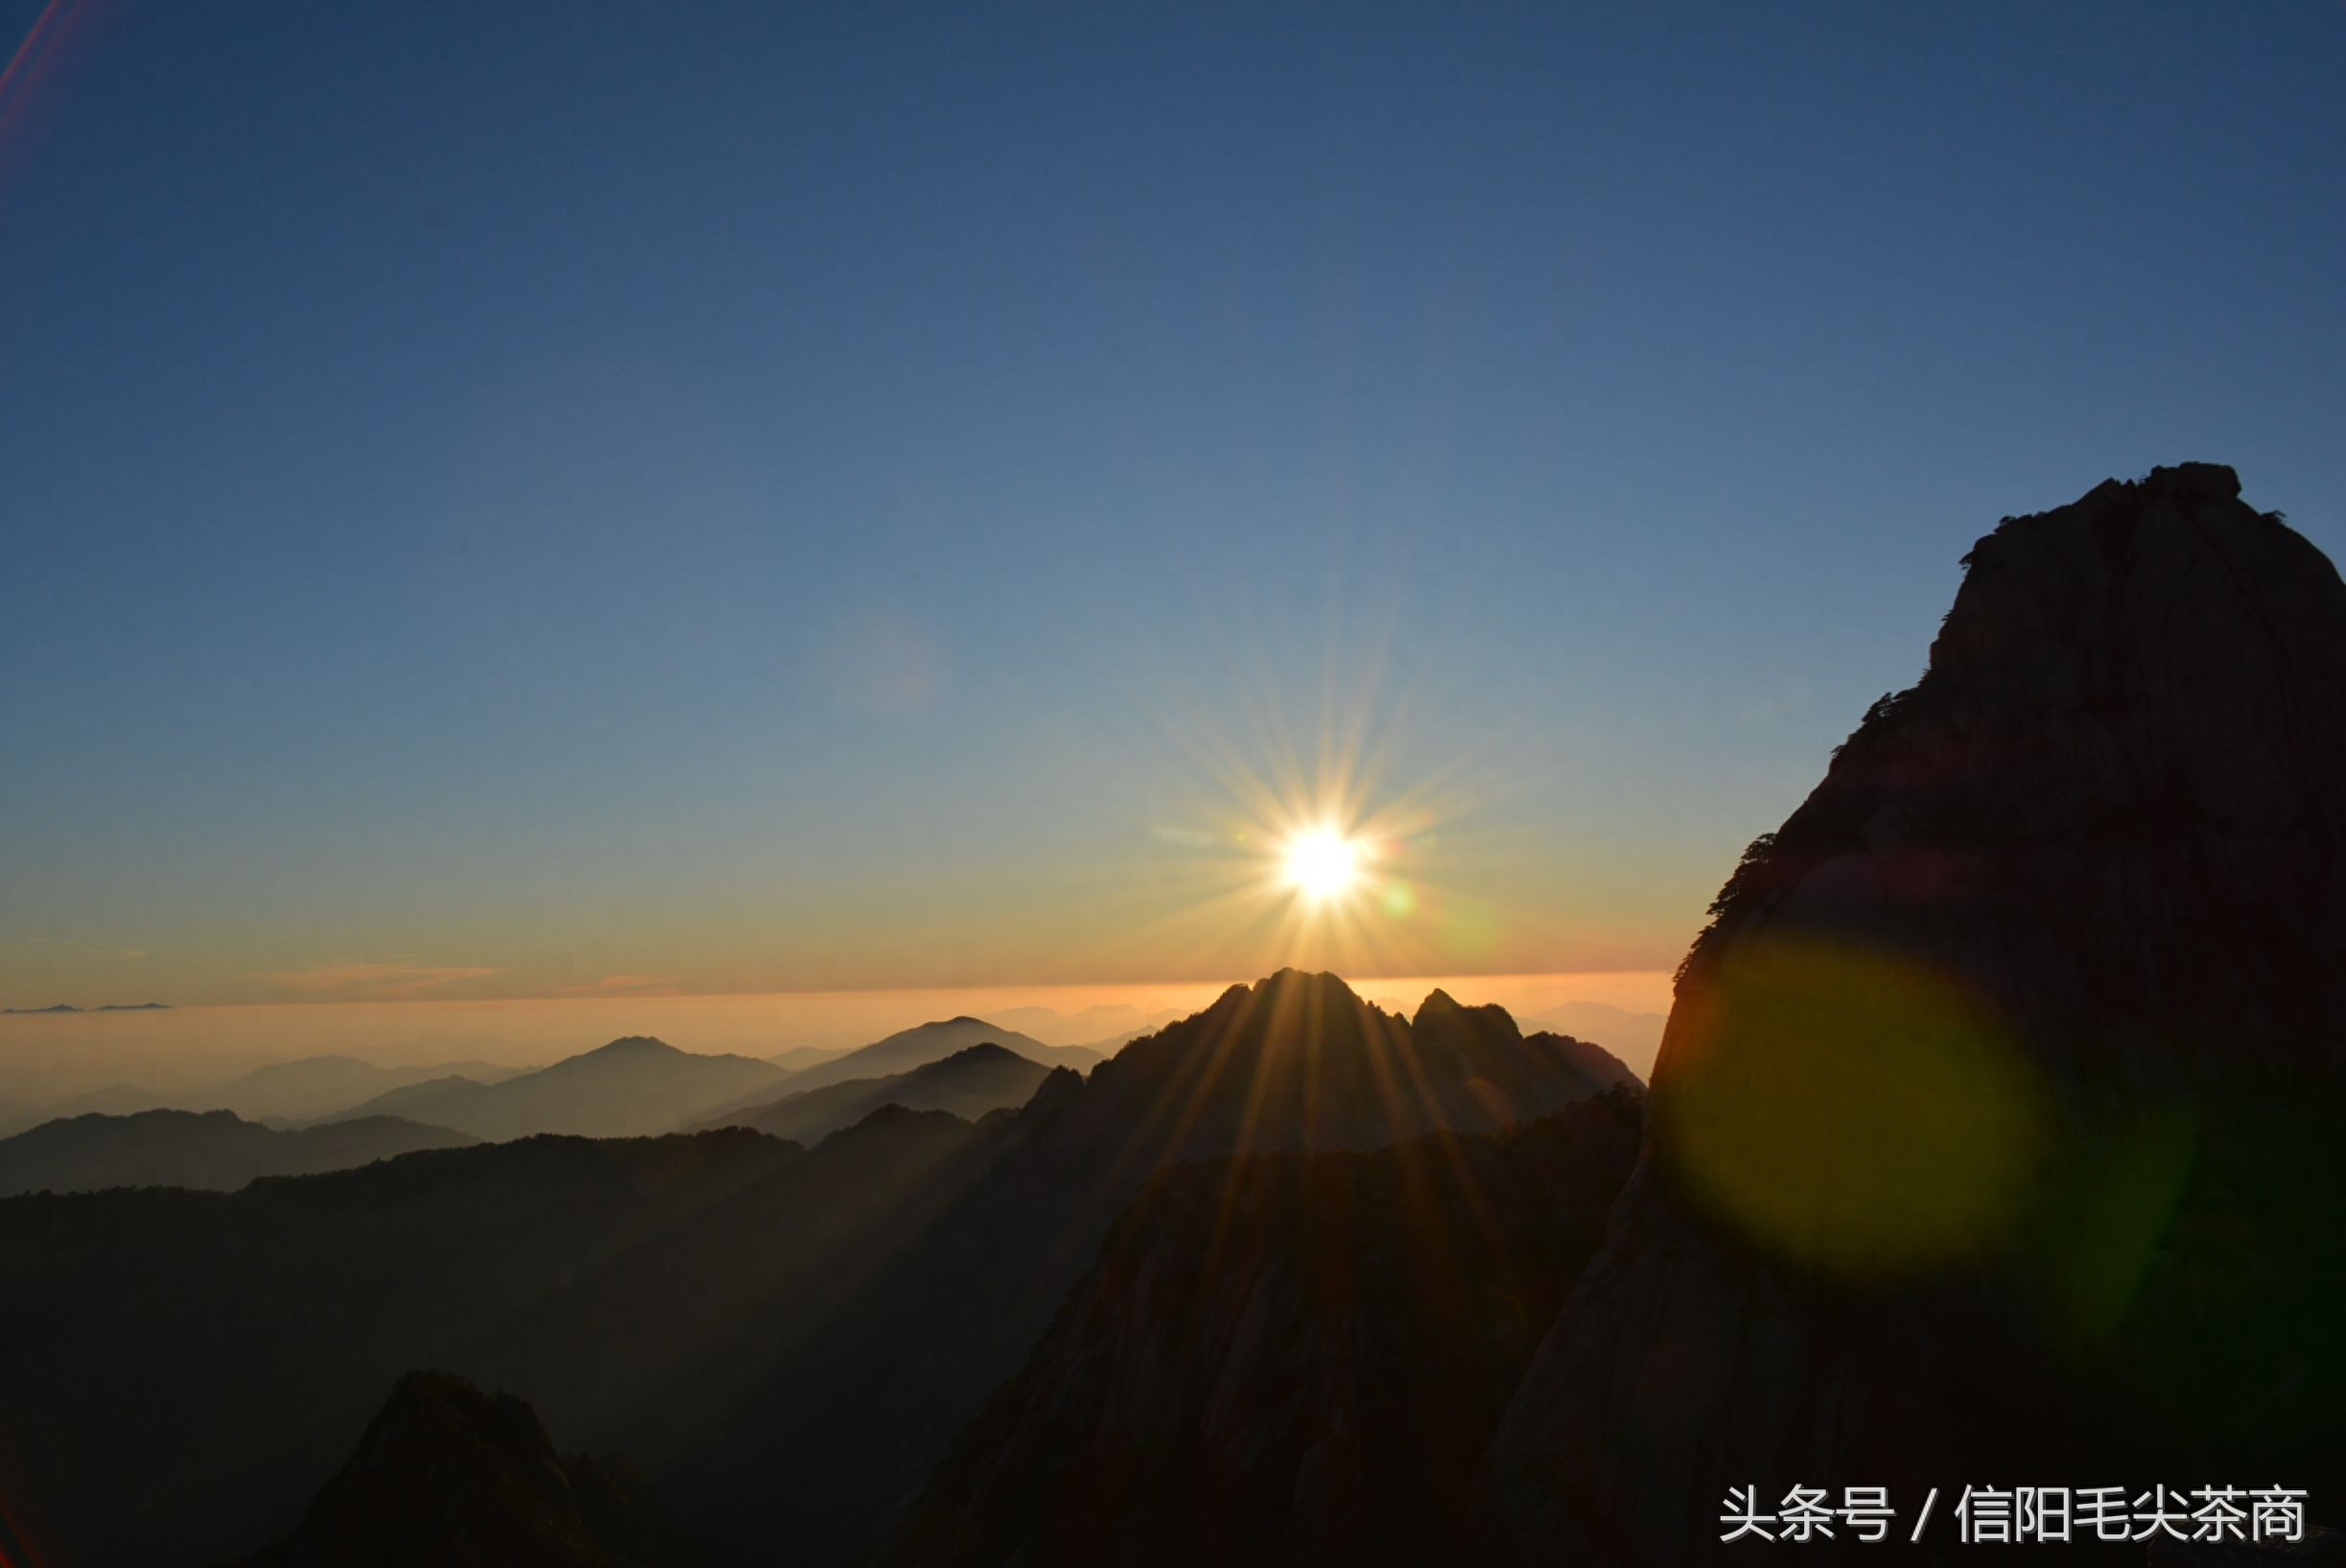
110 1007
212 1150
113 1100
1102 1028
316 1086
641 1088
787 1340
970 1083
799 1058
633 1088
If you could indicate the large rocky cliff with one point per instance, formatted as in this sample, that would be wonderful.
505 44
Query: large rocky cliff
1995 1129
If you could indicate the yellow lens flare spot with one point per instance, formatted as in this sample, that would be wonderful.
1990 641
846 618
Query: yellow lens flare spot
1849 1110
1322 864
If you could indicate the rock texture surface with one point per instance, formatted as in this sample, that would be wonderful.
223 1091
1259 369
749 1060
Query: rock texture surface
1996 1124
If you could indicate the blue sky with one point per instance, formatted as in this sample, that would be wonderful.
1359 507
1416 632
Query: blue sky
753 496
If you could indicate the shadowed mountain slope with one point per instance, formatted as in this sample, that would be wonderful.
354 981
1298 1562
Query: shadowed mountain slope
1285 1359
627 1286
449 1477
969 1084
1995 1132
896 1384
212 1150
633 1088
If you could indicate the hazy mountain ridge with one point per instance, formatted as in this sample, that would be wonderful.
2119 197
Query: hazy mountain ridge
311 1088
635 1087
279 1093
111 1100
209 1150
968 1084
923 1043
1102 1027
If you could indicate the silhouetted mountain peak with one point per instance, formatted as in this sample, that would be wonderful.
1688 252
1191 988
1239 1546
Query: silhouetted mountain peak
1300 1059
2207 481
448 1474
1441 1015
630 1046
893 1127
982 1054
2060 921
1064 1085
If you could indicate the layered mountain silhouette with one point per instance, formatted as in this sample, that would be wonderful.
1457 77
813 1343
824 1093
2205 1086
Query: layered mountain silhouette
449 1477
970 1083
1103 1027
113 1100
1996 1125
926 1042
632 1087
787 1342
213 1150
1285 1359
799 1058
316 1086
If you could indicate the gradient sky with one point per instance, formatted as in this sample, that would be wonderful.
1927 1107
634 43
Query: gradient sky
515 501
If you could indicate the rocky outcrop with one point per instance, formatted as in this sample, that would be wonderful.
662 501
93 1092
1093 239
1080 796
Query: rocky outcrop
1996 1121
1293 1359
450 1477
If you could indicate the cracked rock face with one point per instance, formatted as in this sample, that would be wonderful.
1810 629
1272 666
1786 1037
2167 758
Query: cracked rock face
1997 1117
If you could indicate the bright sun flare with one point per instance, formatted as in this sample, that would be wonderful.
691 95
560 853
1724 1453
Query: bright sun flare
1321 863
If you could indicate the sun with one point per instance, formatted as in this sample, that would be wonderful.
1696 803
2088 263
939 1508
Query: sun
1321 863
